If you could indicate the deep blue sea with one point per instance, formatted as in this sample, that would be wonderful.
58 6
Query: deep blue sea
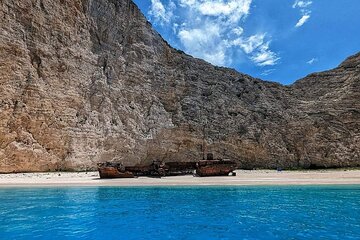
296 212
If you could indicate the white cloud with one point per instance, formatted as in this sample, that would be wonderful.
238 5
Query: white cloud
217 8
231 10
213 30
234 10
251 43
266 58
268 72
185 3
160 13
209 25
263 56
238 31
312 61
303 5
258 49
302 20
205 43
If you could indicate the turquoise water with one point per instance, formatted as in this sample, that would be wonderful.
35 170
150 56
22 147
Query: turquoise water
331 212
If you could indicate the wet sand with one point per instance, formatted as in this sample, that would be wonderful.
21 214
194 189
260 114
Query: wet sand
243 178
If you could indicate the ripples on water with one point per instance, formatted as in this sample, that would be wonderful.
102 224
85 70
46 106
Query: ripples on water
181 213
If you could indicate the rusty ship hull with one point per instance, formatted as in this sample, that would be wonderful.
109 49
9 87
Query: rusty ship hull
112 172
203 168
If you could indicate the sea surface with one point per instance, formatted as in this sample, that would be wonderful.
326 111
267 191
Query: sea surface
294 212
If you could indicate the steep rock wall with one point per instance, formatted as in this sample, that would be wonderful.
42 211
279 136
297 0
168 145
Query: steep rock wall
86 81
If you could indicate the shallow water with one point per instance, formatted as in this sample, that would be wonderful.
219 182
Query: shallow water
311 212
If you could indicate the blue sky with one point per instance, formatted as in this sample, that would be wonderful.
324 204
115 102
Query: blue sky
278 40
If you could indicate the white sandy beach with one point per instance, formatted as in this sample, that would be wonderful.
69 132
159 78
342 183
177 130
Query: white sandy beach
243 178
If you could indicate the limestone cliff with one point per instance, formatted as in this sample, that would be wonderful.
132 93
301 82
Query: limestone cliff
86 81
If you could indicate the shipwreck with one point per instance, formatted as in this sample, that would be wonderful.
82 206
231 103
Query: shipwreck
202 168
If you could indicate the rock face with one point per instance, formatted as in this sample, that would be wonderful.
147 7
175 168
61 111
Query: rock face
86 81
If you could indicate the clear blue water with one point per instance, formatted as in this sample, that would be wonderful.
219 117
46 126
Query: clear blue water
311 212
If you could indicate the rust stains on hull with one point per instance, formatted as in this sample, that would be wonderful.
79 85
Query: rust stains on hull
208 171
111 172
